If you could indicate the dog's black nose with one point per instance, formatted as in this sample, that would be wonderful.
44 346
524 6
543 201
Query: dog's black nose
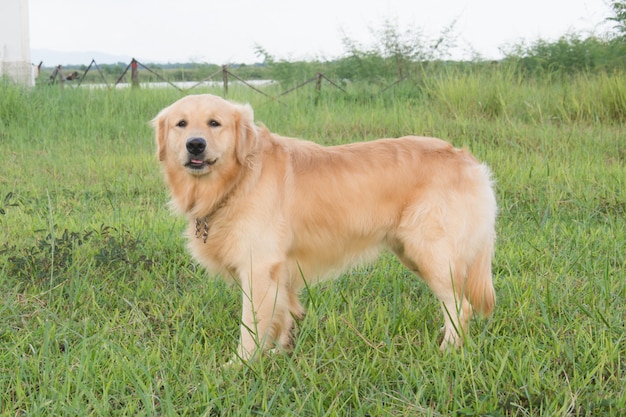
196 146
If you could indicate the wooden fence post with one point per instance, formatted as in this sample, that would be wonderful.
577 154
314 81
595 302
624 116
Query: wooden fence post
134 73
57 72
318 87
225 79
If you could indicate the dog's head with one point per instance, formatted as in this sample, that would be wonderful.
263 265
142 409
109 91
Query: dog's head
201 132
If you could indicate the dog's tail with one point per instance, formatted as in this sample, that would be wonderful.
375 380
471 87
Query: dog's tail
479 284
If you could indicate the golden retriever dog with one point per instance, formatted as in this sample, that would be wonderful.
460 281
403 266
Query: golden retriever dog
277 214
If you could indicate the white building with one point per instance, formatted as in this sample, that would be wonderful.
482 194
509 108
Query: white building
15 42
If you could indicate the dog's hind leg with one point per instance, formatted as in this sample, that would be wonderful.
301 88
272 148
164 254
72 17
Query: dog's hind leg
457 313
433 264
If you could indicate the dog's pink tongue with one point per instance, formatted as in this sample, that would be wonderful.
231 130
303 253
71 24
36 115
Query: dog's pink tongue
196 161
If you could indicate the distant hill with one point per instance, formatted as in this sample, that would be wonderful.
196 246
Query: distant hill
52 58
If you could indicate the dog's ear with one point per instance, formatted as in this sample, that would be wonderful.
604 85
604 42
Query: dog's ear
246 134
160 129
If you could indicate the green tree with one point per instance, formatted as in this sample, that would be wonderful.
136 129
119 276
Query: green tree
619 17
394 52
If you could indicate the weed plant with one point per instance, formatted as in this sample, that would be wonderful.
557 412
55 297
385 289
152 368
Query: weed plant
102 312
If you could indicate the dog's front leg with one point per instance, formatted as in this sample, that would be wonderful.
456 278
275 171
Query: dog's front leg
265 315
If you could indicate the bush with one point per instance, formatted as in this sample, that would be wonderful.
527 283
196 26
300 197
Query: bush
570 54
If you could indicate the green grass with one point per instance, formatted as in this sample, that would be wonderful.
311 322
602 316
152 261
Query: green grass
103 313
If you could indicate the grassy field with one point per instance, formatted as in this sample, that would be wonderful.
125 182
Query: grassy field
103 313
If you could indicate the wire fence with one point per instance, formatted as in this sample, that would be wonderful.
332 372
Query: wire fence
58 76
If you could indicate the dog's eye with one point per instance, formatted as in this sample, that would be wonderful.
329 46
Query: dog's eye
182 123
214 123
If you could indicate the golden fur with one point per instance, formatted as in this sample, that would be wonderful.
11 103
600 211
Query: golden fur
282 213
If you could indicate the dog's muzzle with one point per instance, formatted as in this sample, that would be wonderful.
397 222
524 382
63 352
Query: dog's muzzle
196 148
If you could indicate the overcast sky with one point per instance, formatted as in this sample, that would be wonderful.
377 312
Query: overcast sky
226 31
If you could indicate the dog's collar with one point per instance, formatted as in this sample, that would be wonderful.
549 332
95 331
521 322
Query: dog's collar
204 221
